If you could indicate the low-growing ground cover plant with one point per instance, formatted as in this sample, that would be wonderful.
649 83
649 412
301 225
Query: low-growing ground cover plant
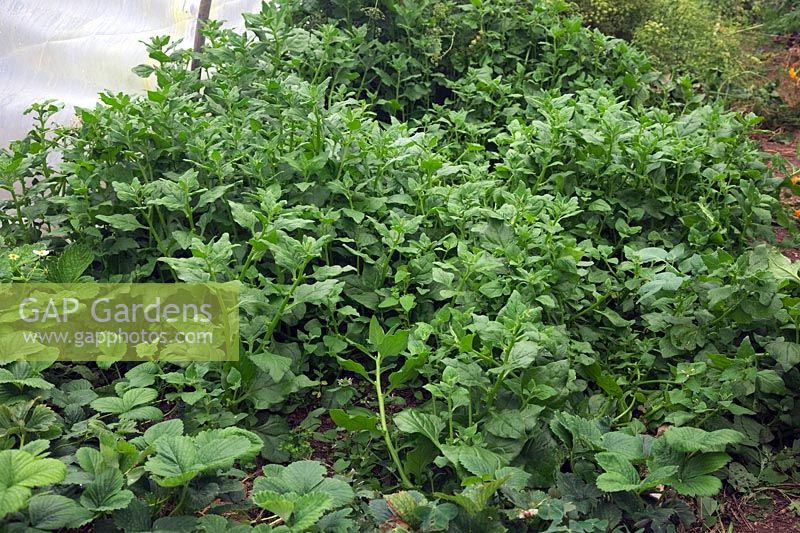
490 281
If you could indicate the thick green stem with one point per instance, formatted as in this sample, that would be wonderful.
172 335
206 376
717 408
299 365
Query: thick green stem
502 376
298 278
385 427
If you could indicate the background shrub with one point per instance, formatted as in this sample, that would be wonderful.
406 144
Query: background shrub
614 18
686 37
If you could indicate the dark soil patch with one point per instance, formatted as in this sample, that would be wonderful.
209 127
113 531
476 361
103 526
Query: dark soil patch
783 143
321 450
769 511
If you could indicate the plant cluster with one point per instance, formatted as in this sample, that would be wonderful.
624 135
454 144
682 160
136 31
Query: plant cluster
504 285
739 50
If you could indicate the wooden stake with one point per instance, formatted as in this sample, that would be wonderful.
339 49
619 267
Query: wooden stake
199 39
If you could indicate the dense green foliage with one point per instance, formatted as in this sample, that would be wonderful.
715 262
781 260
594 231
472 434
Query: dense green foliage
735 50
696 38
527 294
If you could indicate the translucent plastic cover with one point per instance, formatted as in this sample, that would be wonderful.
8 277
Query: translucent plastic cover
71 50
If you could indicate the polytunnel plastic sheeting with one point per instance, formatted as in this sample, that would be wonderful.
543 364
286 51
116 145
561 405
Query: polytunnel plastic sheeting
70 50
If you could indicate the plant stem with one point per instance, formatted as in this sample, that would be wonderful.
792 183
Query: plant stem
298 277
181 501
385 428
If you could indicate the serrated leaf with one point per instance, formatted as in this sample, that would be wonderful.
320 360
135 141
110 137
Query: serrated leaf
620 474
91 460
52 511
480 461
309 508
105 493
175 461
698 486
303 476
688 439
147 412
71 264
215 452
628 446
168 428
19 472
274 503
704 463
341 492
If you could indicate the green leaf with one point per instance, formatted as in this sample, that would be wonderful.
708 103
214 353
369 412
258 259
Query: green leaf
156 96
704 463
663 281
71 264
688 439
52 511
277 366
309 508
134 518
414 421
284 484
126 222
787 354
274 503
175 461
408 370
147 412
614 318
318 293
255 442
340 492
303 476
354 421
214 451
105 492
474 498
620 474
604 380
91 460
19 472
769 381
130 399
697 486
243 215
353 366
143 71
514 423
168 428
631 447
21 373
212 195
376 332
394 344
479 461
